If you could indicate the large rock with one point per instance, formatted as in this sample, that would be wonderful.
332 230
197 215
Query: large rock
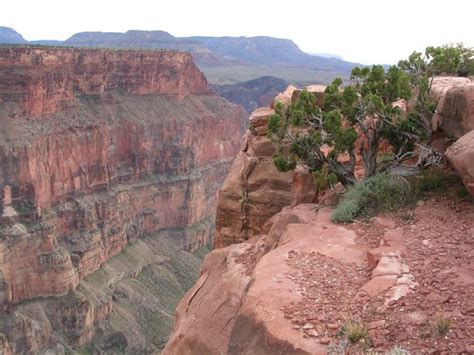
292 93
99 149
254 190
316 90
285 97
439 88
455 105
461 155
458 111
236 307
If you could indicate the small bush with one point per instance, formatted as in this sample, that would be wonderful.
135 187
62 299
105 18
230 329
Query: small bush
432 180
442 325
380 192
355 333
462 192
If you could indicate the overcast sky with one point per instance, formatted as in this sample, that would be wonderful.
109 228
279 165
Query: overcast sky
366 31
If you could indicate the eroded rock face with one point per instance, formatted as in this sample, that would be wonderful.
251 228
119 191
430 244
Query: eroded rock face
458 111
249 279
44 79
461 155
254 190
98 149
454 98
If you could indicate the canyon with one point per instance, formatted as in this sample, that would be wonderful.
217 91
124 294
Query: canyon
110 164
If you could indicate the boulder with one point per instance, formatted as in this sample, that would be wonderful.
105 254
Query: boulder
439 88
285 97
461 155
316 90
457 111
258 120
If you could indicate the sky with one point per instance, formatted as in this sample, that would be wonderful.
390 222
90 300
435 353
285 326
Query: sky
363 31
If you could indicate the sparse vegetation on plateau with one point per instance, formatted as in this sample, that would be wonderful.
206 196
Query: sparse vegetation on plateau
442 325
356 333
380 192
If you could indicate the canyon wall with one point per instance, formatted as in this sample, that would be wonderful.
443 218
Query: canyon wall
98 150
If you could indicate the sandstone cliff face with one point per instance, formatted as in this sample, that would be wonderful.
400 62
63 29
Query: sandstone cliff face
98 149
254 190
44 79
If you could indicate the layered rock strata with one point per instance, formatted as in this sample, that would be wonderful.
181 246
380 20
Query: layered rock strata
99 148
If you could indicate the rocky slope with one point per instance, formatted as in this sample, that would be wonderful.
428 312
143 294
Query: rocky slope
286 280
103 151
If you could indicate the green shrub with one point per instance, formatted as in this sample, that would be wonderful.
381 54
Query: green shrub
432 180
380 192
355 333
438 181
442 325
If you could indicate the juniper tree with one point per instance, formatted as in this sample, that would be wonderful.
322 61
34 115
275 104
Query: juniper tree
324 138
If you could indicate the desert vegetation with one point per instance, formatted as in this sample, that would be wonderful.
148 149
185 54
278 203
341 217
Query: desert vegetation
363 133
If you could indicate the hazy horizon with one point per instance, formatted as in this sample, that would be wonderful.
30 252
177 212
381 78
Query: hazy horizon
363 31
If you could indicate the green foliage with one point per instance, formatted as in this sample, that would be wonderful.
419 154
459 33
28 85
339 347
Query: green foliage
320 136
324 179
356 333
451 59
421 68
380 192
462 192
442 325
324 138
435 181
432 180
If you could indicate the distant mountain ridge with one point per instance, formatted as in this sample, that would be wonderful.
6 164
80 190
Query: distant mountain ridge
271 51
207 51
10 36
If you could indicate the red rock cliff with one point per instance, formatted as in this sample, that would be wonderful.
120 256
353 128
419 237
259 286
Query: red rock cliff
97 149
45 80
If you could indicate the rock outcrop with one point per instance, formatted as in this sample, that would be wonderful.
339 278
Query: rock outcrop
98 149
461 155
451 95
311 287
254 190
457 113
